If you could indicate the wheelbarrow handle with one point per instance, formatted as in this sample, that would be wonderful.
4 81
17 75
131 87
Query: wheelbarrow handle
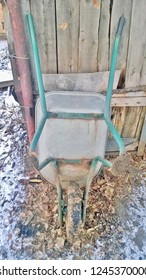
121 24
112 129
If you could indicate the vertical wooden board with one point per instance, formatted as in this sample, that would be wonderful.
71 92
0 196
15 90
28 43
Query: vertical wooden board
119 8
140 123
137 44
119 114
43 12
25 9
2 31
88 37
9 35
7 25
143 71
131 121
103 42
142 141
67 12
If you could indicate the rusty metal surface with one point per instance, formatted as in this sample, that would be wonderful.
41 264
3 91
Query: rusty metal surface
22 62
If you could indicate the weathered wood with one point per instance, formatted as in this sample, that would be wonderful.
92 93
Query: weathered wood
118 118
128 101
130 144
96 82
12 52
131 121
142 141
140 123
25 9
143 76
43 12
67 35
119 8
2 31
137 44
103 47
129 94
88 37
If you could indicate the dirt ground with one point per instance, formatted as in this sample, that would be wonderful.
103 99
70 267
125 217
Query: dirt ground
116 215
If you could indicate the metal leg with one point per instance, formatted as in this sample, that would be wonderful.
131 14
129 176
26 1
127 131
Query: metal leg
59 192
60 206
87 188
85 199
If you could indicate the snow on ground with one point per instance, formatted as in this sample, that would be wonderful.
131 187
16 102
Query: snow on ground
116 214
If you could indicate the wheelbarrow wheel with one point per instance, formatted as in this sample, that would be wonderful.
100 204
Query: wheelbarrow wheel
74 211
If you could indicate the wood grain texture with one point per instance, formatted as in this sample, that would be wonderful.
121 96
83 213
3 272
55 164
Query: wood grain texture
103 41
135 73
67 35
88 37
128 101
140 123
142 141
119 8
11 49
118 118
43 12
131 121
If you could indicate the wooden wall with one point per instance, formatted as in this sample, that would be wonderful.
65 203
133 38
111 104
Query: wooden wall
76 36
2 31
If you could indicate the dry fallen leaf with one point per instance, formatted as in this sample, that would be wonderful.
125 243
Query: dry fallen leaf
35 180
109 193
63 26
59 242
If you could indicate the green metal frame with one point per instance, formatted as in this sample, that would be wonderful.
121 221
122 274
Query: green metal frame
48 115
112 129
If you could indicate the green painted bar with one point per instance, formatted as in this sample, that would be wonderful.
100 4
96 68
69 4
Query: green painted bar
112 129
74 116
37 134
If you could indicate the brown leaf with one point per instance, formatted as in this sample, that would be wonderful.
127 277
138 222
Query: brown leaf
59 242
111 209
109 193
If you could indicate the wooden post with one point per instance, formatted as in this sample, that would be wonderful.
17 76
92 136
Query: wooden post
142 141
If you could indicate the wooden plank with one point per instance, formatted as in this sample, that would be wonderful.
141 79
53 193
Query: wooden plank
25 9
118 118
131 121
131 94
11 52
128 101
96 82
43 12
119 8
130 144
88 37
103 48
143 71
137 44
67 35
142 141
2 31
140 123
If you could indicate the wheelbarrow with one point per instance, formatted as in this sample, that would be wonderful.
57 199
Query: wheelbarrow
71 136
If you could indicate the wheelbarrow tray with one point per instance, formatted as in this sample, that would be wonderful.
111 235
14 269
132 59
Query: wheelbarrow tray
75 131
